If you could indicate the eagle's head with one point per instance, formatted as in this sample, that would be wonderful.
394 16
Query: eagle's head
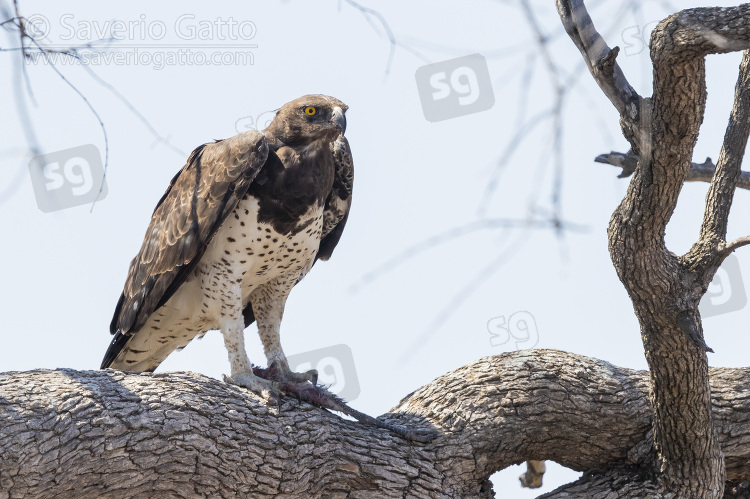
308 119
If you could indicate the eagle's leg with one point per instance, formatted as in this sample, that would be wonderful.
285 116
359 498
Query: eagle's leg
233 330
268 303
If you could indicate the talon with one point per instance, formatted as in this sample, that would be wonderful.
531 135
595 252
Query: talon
282 373
267 389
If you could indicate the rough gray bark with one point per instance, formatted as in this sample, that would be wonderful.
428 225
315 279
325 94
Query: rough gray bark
84 434
665 288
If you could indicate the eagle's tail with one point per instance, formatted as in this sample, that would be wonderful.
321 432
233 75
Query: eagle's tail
118 343
142 351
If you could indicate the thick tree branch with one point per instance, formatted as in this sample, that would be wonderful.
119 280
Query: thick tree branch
628 482
181 434
679 45
705 30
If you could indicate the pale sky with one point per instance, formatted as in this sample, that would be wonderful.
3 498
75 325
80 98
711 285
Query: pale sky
414 179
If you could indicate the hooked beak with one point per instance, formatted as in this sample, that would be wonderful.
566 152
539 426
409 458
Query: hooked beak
338 119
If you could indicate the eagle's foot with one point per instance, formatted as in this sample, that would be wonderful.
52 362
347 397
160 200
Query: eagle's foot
279 371
267 389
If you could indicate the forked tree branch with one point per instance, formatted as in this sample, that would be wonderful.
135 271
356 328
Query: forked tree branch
666 289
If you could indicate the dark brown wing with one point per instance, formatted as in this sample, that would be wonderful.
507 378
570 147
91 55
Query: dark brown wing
198 199
339 201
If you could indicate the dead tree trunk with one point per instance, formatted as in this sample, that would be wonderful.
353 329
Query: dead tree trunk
91 434
666 288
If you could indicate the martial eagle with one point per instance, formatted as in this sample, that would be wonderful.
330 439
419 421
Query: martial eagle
241 224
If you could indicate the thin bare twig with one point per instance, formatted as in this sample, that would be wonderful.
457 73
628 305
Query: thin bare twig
20 23
727 248
698 172
29 47
369 14
521 134
463 294
450 235
557 121
159 138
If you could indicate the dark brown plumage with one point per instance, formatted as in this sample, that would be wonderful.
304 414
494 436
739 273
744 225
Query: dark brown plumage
239 225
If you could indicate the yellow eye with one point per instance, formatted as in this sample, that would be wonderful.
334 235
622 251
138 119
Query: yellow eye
310 110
